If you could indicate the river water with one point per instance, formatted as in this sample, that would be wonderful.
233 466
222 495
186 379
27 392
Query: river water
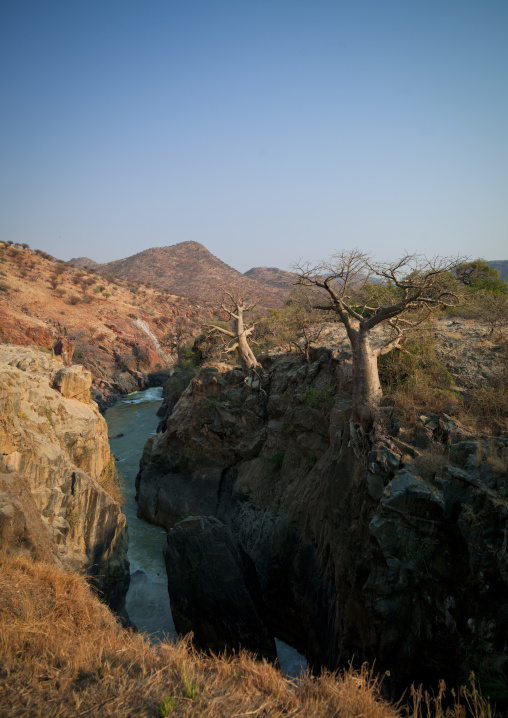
147 600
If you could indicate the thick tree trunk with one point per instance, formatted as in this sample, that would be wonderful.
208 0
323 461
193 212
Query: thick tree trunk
247 358
366 385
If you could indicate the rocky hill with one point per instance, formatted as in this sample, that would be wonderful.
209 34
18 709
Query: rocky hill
189 269
273 277
122 331
57 500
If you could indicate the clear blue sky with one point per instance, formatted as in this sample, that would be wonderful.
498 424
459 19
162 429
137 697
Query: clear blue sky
267 130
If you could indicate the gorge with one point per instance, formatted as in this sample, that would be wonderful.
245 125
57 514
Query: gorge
372 557
389 548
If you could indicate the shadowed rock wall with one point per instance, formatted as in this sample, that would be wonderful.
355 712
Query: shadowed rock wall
359 556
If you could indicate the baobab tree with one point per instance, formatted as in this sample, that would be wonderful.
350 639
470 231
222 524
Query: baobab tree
364 294
236 310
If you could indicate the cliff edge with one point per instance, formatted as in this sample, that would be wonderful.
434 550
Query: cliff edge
54 466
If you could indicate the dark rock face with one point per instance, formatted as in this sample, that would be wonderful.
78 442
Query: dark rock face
444 571
359 556
214 589
65 348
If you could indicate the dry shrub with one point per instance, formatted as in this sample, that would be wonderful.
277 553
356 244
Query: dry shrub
486 408
431 459
110 481
491 309
498 463
419 398
62 653
467 701
416 380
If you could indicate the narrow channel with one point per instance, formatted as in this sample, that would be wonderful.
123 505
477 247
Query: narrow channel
132 420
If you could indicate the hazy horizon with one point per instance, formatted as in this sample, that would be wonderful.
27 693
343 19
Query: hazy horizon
224 260
267 131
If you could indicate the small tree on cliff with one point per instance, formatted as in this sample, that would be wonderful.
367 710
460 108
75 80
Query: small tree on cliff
297 325
236 309
402 296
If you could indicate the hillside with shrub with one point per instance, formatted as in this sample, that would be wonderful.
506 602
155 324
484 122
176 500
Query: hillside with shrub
63 652
123 331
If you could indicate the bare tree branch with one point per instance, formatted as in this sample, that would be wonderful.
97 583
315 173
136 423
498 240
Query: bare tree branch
365 294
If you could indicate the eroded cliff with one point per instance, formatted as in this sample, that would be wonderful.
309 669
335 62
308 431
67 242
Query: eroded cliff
372 554
55 456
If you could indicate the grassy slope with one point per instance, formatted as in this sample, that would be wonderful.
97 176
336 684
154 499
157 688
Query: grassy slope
62 653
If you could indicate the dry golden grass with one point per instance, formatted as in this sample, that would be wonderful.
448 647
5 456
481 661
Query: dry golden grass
486 410
62 653
421 399
431 459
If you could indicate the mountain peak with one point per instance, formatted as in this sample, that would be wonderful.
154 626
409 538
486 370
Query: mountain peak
190 269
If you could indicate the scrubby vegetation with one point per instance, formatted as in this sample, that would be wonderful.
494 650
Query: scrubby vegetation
62 653
416 379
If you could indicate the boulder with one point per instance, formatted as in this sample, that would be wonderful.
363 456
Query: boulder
21 525
74 382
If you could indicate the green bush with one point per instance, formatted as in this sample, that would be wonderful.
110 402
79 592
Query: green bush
479 275
277 459
188 360
317 397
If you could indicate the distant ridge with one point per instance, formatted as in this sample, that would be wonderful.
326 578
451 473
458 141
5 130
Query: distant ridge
190 270
272 276
502 267
82 262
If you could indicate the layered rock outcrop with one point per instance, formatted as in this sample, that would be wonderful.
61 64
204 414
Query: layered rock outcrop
362 553
55 453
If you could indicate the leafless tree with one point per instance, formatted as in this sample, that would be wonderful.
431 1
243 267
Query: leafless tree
236 309
492 309
364 294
